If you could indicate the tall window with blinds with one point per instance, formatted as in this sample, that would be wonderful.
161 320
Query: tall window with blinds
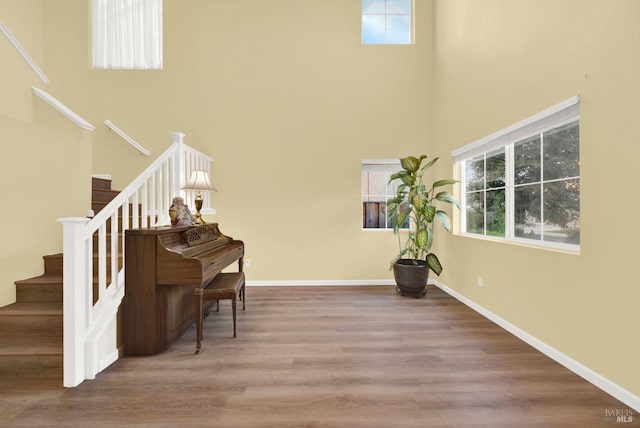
127 34
376 191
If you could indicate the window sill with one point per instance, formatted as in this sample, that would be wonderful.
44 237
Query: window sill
573 250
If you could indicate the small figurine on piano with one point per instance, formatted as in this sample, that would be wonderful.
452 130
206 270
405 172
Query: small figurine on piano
180 213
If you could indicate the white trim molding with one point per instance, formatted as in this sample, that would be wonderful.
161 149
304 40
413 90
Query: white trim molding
66 111
581 370
320 283
126 137
16 44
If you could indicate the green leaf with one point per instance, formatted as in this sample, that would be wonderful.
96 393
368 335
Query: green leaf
441 183
447 197
397 176
408 179
434 263
430 212
422 238
444 219
416 201
411 163
428 165
430 239
402 216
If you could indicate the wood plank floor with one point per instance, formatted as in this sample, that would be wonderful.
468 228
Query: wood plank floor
327 357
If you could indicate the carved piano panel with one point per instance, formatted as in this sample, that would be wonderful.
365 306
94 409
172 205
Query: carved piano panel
163 267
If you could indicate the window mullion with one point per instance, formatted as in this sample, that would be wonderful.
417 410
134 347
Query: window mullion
509 205
542 186
484 193
463 193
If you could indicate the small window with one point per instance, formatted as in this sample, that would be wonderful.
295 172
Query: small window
522 184
387 22
376 191
127 34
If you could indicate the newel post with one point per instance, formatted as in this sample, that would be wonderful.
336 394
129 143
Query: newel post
74 303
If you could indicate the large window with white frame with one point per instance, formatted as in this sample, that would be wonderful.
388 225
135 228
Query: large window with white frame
522 184
377 190
127 34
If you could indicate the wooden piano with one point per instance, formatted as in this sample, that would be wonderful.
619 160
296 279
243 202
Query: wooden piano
163 267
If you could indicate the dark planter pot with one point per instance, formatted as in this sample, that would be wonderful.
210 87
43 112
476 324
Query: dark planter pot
411 277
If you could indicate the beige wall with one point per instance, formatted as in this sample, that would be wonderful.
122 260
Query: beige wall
285 99
45 167
498 62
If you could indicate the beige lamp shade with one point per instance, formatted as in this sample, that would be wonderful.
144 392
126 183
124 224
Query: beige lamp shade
199 180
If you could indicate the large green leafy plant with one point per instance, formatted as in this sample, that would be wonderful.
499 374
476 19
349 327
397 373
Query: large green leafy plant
416 202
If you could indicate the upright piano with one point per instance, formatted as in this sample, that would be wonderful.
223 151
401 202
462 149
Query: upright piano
163 267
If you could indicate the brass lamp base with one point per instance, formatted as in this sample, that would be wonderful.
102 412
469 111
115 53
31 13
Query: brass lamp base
198 217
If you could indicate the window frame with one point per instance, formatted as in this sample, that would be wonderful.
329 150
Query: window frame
386 15
389 167
555 117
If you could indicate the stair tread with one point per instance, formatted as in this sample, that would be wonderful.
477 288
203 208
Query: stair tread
31 345
41 279
31 308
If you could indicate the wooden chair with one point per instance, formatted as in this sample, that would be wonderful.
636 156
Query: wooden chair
227 285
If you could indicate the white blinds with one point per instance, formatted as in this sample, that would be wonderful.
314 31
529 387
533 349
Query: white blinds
379 165
127 34
560 114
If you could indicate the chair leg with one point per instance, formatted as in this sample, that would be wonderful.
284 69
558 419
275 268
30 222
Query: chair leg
233 309
243 291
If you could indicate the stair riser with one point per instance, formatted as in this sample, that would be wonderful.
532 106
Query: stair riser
99 195
31 366
100 183
34 293
53 265
30 325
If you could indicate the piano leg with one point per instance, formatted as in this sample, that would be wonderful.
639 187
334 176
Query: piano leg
199 317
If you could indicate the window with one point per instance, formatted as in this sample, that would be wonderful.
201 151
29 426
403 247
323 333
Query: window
387 22
127 34
376 191
522 184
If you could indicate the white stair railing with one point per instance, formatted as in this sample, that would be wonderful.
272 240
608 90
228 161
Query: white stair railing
94 249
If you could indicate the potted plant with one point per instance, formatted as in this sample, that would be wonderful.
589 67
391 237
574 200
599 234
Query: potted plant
415 203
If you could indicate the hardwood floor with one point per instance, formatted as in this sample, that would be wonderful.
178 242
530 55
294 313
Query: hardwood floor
328 357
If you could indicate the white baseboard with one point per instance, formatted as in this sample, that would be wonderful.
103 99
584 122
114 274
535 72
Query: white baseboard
108 359
320 283
586 373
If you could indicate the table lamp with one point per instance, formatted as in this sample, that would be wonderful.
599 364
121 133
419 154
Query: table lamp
199 181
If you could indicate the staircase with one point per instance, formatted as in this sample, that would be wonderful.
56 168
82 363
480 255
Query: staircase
31 328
